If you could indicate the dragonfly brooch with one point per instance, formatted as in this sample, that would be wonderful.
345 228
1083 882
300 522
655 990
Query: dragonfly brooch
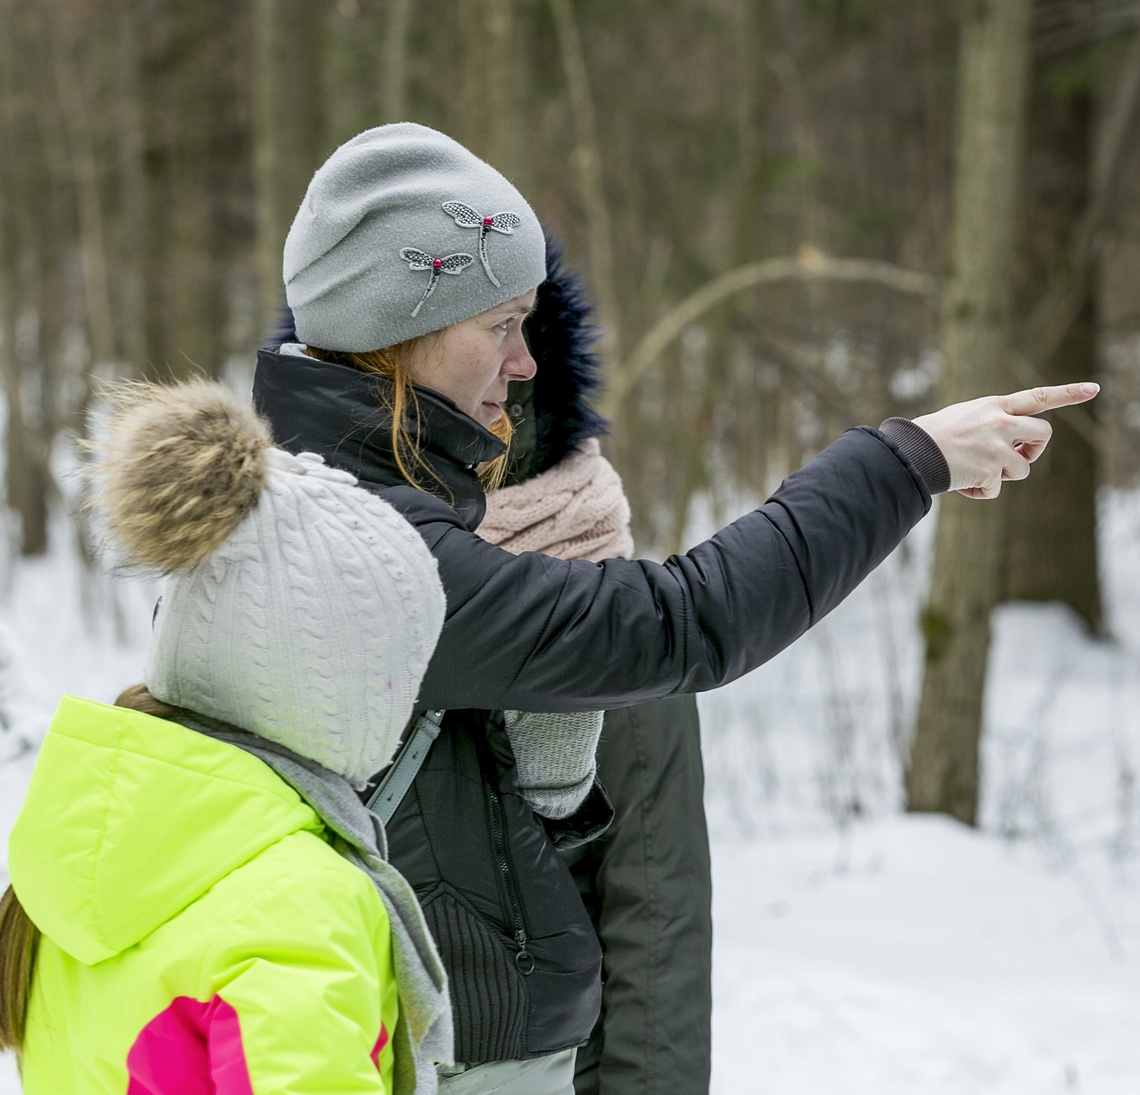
466 217
421 260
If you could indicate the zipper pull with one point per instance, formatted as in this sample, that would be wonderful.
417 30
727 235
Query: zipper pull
524 960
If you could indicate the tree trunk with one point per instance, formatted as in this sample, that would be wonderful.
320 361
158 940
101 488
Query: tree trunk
201 242
700 432
288 131
177 233
969 542
587 162
1052 543
26 482
24 206
73 60
1051 548
130 148
395 77
487 117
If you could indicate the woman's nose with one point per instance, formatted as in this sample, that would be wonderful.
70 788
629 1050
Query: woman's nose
519 364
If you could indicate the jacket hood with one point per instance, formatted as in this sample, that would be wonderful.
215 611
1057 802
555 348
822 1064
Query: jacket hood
552 413
130 818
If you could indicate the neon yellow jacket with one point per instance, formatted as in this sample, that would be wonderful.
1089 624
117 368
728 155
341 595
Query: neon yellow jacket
200 936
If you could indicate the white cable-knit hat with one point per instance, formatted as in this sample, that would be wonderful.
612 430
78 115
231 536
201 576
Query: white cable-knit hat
297 606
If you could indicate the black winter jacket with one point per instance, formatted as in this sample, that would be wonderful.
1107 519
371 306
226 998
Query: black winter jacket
531 632
535 633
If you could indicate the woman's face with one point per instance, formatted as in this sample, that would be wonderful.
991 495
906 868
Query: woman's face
472 362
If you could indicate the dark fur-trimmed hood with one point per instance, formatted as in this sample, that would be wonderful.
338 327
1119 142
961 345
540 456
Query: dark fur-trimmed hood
552 413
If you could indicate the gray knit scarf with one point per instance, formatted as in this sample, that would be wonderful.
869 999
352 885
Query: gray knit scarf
423 1032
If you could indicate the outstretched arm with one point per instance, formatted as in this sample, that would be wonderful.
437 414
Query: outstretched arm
562 636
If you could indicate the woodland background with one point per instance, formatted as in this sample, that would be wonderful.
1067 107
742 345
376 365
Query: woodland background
795 215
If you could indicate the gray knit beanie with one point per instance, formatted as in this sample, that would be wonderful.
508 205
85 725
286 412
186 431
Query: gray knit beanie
298 606
403 231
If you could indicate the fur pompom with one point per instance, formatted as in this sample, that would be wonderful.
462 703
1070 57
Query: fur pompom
177 469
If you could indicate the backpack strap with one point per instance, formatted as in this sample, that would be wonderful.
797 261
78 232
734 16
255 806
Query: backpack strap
398 779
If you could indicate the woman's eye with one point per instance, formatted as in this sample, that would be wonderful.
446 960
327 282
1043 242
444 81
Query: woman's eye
505 326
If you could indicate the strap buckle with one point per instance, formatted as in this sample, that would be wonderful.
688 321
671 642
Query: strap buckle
392 788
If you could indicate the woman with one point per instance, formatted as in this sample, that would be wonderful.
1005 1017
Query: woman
646 881
410 268
199 901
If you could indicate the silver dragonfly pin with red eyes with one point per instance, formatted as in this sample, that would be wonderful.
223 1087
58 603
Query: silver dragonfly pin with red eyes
466 217
421 260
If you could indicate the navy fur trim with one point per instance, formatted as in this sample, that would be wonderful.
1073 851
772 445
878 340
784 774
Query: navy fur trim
284 328
562 335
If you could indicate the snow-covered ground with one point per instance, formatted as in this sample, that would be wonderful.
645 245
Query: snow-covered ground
913 955
862 950
858 949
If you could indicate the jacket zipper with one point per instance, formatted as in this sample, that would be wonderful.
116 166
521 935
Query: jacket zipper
524 960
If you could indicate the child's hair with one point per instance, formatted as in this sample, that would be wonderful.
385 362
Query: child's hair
20 938
402 405
19 941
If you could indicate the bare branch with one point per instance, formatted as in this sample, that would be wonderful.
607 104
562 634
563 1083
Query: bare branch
811 265
1064 26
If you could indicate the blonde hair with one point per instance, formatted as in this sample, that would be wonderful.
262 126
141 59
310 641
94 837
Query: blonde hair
402 405
19 936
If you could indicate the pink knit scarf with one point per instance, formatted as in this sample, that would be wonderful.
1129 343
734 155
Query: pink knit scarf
576 510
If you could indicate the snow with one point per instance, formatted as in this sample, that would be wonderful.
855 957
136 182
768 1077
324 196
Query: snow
913 954
857 948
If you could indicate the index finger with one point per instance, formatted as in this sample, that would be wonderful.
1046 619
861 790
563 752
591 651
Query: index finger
1036 400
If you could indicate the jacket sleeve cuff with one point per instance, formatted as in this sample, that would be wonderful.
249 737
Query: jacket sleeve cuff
589 821
920 449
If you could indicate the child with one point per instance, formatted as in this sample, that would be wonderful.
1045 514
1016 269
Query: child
216 909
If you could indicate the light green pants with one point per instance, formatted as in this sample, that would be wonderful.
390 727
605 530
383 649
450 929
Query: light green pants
553 1075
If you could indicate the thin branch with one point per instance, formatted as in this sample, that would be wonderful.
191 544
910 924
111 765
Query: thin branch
811 265
809 367
1059 28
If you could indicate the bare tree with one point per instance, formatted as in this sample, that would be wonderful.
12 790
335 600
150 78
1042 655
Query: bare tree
757 191
395 76
31 231
1051 543
288 130
1073 181
587 162
977 336
487 116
